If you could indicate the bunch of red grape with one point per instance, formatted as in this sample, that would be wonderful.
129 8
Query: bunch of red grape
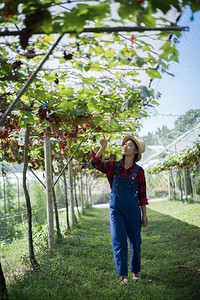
16 64
4 133
68 56
42 113
11 124
30 53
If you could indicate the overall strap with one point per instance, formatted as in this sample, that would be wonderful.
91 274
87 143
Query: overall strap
136 170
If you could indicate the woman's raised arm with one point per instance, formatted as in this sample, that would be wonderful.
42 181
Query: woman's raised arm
103 143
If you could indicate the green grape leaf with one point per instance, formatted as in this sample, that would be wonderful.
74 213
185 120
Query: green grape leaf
153 73
93 105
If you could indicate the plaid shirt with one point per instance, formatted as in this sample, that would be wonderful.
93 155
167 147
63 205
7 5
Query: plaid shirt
108 167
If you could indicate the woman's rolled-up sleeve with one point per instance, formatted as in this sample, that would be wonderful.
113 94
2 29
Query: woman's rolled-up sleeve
101 166
142 188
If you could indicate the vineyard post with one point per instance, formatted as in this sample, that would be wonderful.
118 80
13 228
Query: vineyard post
4 193
65 192
75 192
72 215
187 183
81 191
192 184
89 189
90 194
86 189
49 198
59 235
169 185
179 174
27 197
172 184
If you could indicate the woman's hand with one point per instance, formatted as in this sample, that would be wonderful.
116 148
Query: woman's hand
103 142
144 221
144 216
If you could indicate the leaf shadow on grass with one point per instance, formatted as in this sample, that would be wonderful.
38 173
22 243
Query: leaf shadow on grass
82 266
187 200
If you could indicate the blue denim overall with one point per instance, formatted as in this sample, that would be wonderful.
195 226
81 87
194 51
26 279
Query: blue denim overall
125 223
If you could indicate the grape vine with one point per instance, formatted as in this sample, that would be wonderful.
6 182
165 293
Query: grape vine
92 82
188 158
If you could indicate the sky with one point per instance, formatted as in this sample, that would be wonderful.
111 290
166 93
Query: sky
180 92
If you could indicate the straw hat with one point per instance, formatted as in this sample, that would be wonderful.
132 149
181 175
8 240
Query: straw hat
140 144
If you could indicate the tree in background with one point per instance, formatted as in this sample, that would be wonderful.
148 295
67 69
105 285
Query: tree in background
164 136
187 121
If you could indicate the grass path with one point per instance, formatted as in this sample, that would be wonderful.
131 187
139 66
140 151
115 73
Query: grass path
82 266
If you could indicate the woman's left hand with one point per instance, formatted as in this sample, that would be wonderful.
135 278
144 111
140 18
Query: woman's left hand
144 221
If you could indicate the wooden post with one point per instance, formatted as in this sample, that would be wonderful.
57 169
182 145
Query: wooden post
90 193
170 187
86 189
49 198
172 184
192 186
169 191
187 183
28 201
180 184
72 215
4 192
81 191
66 195
75 194
59 235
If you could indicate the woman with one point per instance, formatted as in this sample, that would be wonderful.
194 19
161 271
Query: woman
128 193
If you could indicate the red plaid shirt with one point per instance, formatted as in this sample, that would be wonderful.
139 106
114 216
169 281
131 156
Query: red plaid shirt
108 167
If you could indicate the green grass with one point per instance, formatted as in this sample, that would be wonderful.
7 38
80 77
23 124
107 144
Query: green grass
185 211
82 266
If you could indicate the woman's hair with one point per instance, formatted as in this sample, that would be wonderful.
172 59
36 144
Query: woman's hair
121 161
136 155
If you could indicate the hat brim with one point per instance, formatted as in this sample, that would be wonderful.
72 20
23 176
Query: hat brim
130 137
